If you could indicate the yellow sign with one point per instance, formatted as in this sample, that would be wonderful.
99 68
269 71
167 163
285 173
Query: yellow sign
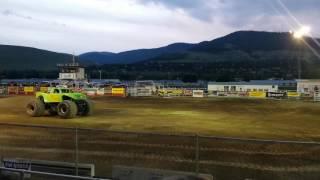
257 94
28 89
43 89
172 92
293 94
120 91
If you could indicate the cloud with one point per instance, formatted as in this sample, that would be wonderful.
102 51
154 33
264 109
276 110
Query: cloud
112 25
8 12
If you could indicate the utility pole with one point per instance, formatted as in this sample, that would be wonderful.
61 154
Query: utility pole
299 62
100 74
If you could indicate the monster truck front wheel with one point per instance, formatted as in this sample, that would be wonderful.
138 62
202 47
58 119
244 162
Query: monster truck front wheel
85 107
67 109
35 108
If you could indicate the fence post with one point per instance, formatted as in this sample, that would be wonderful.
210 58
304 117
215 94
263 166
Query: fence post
21 176
76 152
197 153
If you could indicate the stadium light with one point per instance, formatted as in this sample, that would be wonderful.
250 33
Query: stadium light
299 34
303 31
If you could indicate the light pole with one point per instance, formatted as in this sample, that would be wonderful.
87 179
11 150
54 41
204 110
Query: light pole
100 73
298 35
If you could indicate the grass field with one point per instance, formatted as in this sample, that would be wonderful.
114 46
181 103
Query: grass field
247 118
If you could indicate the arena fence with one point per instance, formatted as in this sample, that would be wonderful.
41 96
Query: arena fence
124 91
3 90
222 157
20 174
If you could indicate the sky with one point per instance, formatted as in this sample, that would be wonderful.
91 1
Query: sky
79 26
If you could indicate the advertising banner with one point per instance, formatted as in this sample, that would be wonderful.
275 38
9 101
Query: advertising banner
90 91
293 94
28 89
188 92
198 93
257 94
118 91
44 89
276 94
100 92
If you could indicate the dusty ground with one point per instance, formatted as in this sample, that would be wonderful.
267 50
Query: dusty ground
293 120
224 159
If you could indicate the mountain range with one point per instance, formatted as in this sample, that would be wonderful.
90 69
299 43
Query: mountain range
245 41
239 55
129 57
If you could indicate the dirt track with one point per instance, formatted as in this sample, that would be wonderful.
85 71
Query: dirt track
105 149
265 119
237 118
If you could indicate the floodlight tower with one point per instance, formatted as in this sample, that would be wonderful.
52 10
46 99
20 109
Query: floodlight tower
298 36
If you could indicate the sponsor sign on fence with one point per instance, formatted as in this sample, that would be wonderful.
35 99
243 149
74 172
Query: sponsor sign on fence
171 92
257 94
28 89
198 93
100 91
293 94
90 91
17 164
44 89
276 94
187 92
119 92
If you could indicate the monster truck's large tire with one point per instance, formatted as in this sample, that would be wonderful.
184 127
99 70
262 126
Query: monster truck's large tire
67 109
35 108
85 107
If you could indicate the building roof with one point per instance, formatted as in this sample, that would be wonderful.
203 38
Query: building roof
255 82
308 80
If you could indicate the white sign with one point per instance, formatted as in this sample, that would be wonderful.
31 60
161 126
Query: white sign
198 93
17 164
67 76
136 173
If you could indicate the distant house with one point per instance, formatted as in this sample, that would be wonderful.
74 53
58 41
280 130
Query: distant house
283 85
242 86
308 86
254 85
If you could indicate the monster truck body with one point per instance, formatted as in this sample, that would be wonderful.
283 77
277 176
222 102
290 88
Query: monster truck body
61 101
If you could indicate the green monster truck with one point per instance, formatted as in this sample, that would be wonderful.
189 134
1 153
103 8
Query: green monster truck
61 101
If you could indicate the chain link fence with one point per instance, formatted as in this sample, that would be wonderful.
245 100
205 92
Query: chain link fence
223 158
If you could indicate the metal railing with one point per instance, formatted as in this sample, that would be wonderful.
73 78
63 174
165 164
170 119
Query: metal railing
23 172
222 157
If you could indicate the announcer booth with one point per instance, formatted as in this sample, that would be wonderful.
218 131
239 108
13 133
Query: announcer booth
71 71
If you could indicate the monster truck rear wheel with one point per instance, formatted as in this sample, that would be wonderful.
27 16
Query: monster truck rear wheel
85 107
35 108
67 109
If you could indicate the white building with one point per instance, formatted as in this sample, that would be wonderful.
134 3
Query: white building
308 86
241 87
73 71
